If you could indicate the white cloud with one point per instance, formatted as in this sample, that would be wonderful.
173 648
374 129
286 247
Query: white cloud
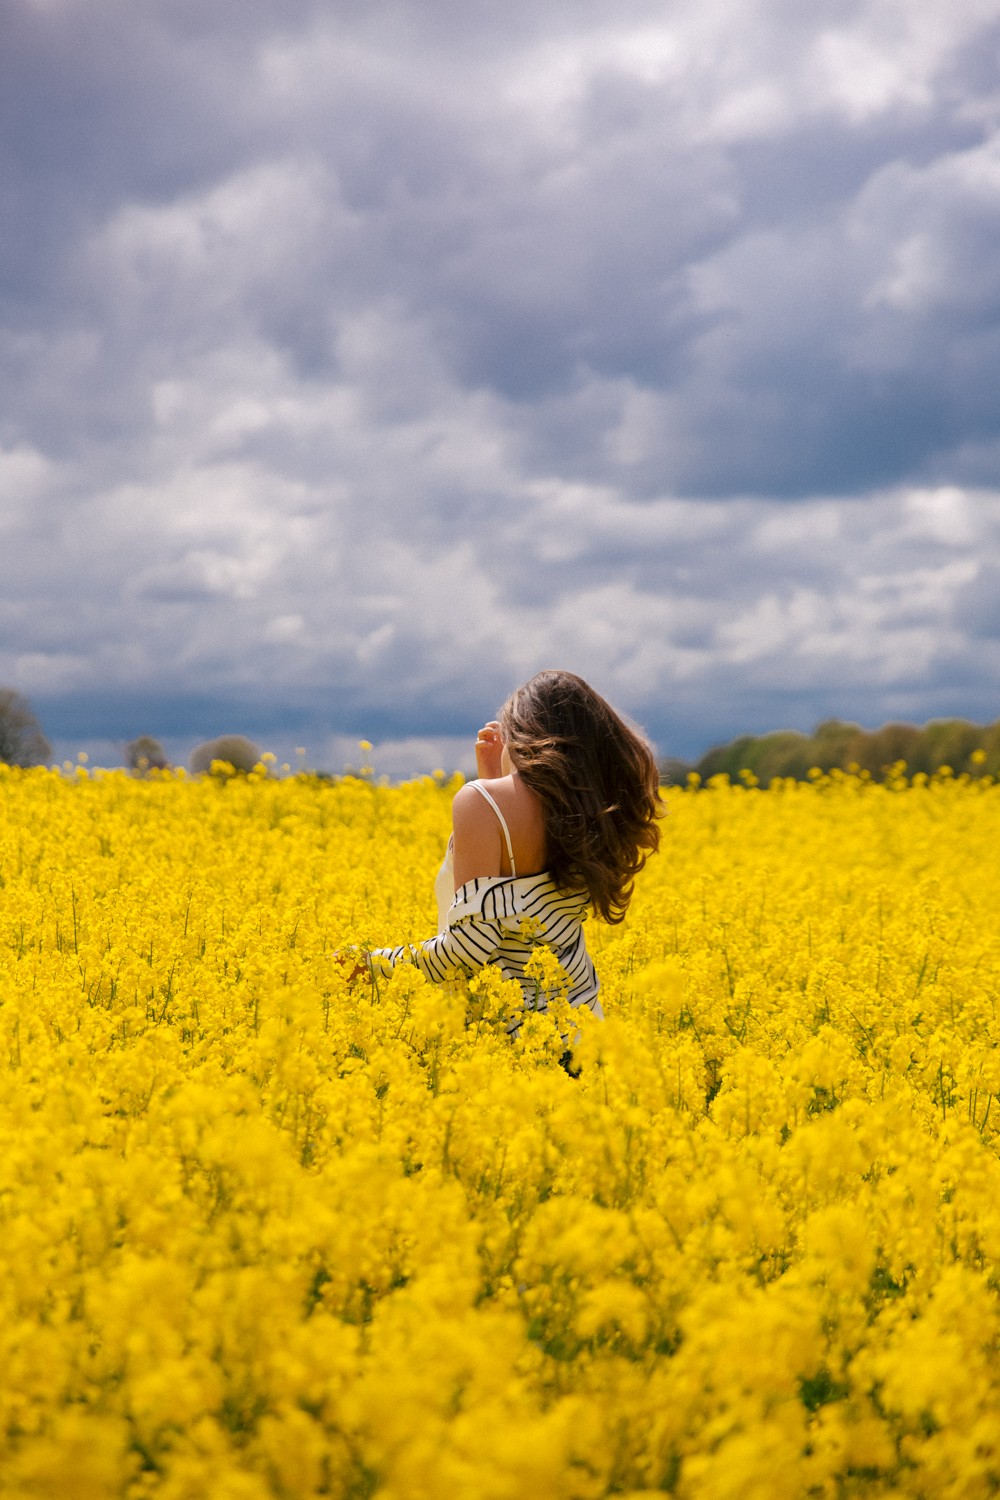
362 364
892 52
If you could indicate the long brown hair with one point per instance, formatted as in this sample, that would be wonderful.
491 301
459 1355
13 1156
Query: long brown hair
596 780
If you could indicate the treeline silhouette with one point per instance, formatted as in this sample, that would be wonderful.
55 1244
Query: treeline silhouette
22 743
968 749
964 747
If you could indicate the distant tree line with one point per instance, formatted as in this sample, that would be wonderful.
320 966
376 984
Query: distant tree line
22 743
965 747
233 750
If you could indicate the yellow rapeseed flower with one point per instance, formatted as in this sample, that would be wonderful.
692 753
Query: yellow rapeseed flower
267 1233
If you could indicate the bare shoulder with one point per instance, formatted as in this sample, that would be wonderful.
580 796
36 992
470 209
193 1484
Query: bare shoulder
477 836
524 816
471 806
516 800
508 793
471 814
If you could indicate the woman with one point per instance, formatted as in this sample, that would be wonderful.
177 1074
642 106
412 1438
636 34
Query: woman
562 818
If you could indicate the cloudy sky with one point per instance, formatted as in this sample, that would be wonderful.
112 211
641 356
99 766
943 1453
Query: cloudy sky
357 359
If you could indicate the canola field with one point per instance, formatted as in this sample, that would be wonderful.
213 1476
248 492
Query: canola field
265 1235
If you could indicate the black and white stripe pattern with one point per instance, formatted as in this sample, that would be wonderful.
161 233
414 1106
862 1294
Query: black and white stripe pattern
502 920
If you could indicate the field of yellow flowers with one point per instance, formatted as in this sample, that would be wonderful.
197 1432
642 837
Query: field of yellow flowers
265 1235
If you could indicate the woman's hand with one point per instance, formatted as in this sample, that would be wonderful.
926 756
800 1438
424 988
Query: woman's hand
489 752
359 969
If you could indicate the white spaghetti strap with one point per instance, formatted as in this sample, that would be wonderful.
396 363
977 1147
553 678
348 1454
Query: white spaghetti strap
503 822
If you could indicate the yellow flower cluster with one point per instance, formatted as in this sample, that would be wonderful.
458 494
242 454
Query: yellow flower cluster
269 1236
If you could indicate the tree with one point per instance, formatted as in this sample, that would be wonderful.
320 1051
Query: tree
146 754
22 742
235 749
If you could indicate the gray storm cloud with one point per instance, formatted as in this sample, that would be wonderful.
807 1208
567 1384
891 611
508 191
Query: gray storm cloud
356 365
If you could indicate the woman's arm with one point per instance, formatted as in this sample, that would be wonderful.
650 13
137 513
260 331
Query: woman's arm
460 950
